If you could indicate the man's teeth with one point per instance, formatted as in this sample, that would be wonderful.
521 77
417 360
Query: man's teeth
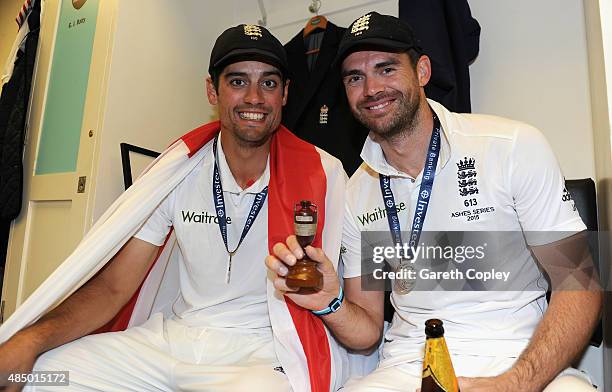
251 116
380 106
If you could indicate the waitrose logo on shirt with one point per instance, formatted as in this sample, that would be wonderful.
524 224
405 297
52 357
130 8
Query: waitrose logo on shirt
378 213
202 217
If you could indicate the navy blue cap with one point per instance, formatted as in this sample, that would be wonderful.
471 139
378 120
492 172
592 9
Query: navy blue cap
247 42
375 31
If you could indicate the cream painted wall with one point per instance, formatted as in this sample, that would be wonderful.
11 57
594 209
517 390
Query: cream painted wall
533 67
605 11
156 89
287 17
599 20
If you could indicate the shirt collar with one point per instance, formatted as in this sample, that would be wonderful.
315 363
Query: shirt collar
372 154
228 180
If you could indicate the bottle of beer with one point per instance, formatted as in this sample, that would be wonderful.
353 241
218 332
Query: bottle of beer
438 373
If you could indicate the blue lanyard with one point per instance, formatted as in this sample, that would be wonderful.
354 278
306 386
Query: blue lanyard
429 173
220 208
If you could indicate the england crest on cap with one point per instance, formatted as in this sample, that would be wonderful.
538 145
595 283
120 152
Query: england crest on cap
361 25
253 31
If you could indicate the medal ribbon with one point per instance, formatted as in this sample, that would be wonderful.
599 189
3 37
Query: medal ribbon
429 174
221 216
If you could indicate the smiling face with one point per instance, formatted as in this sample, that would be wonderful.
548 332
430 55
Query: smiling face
385 90
250 98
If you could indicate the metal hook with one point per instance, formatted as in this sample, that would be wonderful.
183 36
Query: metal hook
315 6
264 15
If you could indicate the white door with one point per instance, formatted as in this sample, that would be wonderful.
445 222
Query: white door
56 206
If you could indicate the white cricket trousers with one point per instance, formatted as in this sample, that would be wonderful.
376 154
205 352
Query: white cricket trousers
400 379
163 355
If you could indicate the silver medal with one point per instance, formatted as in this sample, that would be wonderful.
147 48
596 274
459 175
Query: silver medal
405 285
229 266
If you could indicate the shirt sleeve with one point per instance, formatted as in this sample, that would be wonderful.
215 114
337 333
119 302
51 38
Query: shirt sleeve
351 245
156 228
544 207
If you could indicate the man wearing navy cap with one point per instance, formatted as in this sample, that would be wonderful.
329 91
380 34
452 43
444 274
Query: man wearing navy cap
209 207
428 169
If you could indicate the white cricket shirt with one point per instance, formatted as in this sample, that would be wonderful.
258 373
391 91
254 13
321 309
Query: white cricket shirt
515 184
205 298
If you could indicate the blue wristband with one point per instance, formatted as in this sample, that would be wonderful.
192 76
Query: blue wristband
333 307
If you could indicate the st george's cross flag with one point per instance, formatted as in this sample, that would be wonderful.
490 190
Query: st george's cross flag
311 358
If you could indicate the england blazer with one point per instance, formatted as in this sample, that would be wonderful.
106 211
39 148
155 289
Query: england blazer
317 109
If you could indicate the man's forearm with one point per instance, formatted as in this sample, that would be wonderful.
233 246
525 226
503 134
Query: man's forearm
353 327
94 304
86 310
562 334
358 322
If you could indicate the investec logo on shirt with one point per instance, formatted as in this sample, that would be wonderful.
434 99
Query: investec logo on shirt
378 213
202 217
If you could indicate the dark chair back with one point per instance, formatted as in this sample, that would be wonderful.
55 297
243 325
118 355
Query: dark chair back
583 193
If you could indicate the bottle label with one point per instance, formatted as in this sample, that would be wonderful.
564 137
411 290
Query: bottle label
438 365
304 218
305 229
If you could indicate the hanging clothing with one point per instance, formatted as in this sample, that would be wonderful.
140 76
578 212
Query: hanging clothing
317 109
13 109
24 12
450 36
20 40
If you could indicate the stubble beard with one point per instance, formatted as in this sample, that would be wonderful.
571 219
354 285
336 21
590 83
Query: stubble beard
245 141
402 122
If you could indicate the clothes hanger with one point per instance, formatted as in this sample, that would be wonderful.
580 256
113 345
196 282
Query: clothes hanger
317 21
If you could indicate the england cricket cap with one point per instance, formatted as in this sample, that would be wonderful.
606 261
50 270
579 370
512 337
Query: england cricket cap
247 43
374 31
